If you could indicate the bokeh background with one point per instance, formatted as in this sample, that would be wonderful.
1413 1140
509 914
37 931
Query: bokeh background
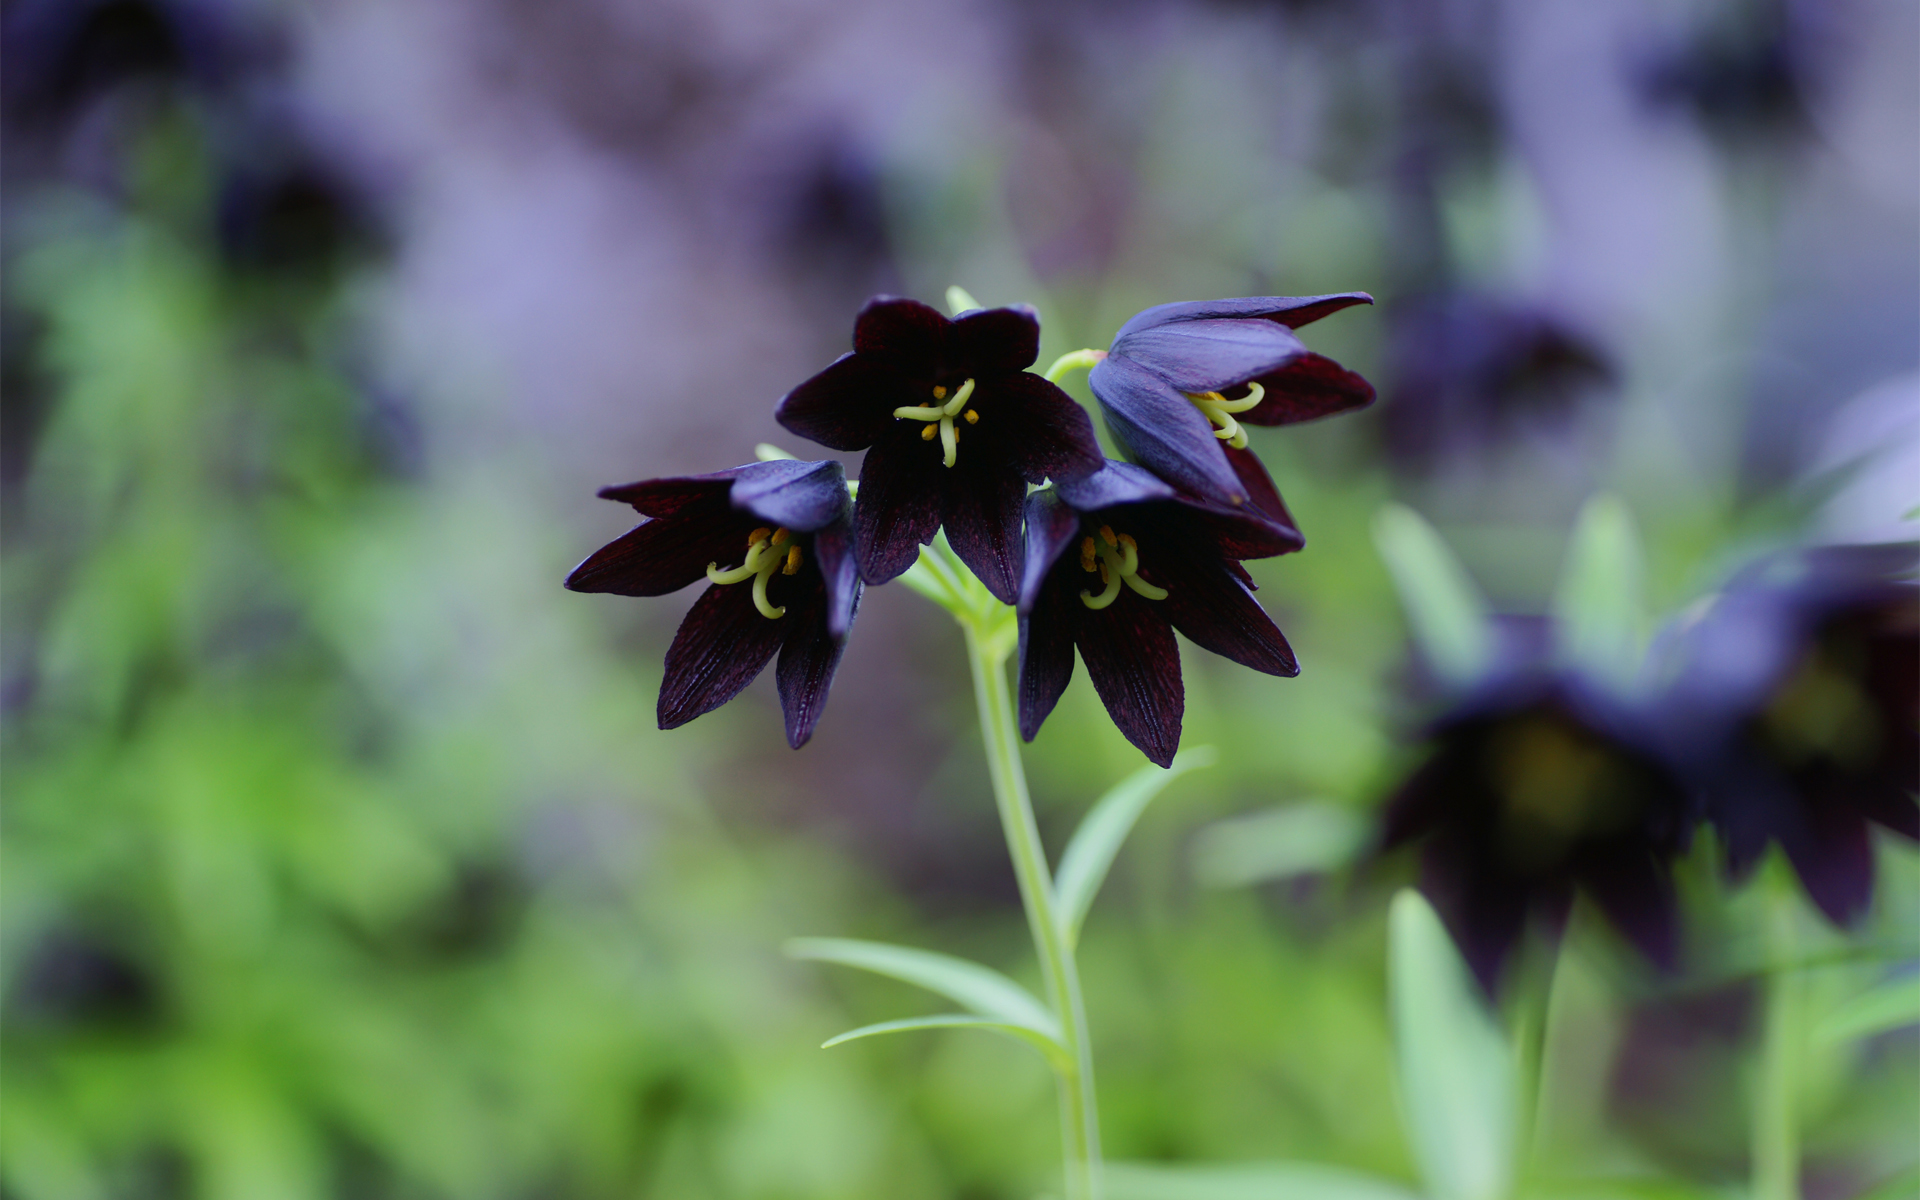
342 857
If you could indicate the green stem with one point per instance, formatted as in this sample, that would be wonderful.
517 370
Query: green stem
1776 1131
1079 1119
1074 360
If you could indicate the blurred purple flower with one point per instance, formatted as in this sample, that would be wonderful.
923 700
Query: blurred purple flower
913 384
1536 787
1114 564
1796 701
1164 385
1467 370
786 523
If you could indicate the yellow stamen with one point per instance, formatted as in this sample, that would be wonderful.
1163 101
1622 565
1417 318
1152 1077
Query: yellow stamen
1118 562
769 551
1219 412
939 418
973 416
793 562
939 391
929 433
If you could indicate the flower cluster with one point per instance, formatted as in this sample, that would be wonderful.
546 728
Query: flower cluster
1785 711
1109 557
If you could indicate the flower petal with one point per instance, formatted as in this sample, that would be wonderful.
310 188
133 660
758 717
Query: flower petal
1832 851
1046 648
803 496
981 513
1206 356
809 655
1239 540
899 506
1134 662
674 494
1308 388
721 645
848 405
1211 607
905 334
1115 483
1157 427
1052 526
1485 910
994 341
1637 895
833 551
663 554
1291 311
1036 428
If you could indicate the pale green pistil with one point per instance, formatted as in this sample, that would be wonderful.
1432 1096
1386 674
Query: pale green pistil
1219 410
939 418
768 551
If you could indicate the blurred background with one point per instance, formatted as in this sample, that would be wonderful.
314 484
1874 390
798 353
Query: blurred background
342 857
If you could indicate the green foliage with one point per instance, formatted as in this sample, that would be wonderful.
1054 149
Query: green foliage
1089 856
1445 611
1598 604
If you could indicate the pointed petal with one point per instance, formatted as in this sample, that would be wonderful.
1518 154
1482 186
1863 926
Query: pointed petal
1115 483
905 334
1291 311
1038 428
1308 388
1046 653
994 341
848 405
721 645
1134 662
1206 356
809 655
1484 910
982 517
803 496
1157 427
662 555
1211 607
899 506
840 573
673 495
1052 526
1833 853
1263 499
1636 893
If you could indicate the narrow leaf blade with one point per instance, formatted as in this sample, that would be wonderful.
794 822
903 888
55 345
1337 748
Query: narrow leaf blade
1455 1067
1250 1181
1055 1053
1089 856
1279 843
1878 1010
1598 604
1445 611
974 987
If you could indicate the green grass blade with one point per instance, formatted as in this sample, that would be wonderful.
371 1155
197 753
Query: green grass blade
1456 1070
1878 1010
974 987
1445 611
1089 856
1598 605
1249 1181
1055 1053
1305 838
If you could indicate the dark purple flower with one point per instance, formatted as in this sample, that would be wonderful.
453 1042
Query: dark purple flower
1796 701
955 428
1537 787
1115 563
794 588
1181 379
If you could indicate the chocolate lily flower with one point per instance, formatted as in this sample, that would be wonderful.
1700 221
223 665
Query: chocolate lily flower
773 539
1181 379
1797 702
955 428
1114 564
1538 787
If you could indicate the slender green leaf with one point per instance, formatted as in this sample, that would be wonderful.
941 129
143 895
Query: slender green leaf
1456 1069
1250 1181
980 989
1445 611
1089 856
1597 606
1055 1053
958 301
1903 1185
1279 843
768 452
1888 1006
